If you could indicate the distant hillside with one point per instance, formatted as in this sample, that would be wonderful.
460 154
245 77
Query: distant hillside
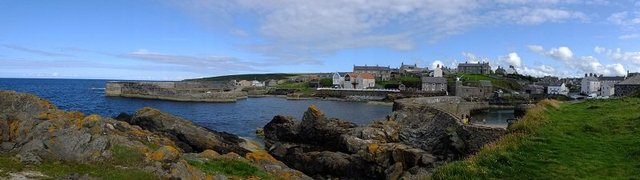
259 77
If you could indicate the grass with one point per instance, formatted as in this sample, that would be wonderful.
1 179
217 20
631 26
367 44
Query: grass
126 156
57 169
229 167
8 165
595 139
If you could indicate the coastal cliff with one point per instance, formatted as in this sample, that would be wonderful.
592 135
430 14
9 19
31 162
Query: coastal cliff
37 140
410 143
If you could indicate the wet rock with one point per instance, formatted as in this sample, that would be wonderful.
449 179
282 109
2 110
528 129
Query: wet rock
188 137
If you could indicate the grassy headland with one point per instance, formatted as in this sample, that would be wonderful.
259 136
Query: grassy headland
596 139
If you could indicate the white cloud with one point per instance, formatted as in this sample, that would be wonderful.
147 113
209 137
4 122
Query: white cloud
436 63
599 49
512 59
629 36
625 18
536 48
308 29
561 53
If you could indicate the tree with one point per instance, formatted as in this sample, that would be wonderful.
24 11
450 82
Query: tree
326 82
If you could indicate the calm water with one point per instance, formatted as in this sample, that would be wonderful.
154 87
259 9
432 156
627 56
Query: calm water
241 118
493 116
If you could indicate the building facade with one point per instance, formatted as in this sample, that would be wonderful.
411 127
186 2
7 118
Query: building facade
474 68
558 89
380 73
628 87
358 81
600 85
434 84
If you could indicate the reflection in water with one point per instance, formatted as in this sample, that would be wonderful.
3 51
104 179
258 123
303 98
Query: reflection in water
493 117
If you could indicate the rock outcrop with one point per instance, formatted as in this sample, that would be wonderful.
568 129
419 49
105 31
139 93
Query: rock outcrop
187 136
409 143
33 131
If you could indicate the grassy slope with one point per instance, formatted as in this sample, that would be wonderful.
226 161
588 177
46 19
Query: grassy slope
597 139
248 77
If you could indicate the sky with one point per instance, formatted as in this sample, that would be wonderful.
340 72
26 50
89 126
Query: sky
180 39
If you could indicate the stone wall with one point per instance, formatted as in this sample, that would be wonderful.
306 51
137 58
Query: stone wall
626 89
174 91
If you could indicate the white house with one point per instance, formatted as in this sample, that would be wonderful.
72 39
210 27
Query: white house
256 83
438 71
358 81
558 89
338 79
590 85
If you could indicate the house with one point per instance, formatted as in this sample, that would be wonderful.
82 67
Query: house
338 79
589 85
474 68
358 81
434 84
244 83
600 85
534 89
438 71
500 71
558 89
607 84
628 87
484 91
256 83
407 69
380 73
272 83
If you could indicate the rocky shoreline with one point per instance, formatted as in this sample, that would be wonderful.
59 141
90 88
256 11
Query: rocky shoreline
410 143
35 132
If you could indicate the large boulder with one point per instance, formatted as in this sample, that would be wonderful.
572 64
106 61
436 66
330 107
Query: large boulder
188 136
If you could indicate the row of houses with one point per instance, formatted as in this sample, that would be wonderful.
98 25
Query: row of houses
353 80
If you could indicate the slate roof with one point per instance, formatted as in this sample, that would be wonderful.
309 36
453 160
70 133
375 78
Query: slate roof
635 80
371 68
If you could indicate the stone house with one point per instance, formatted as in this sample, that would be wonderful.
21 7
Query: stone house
500 71
474 68
534 89
380 73
483 91
358 81
558 89
628 86
244 83
434 84
600 85
408 69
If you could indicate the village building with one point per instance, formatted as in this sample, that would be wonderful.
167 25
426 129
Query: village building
474 68
338 79
600 85
271 83
534 89
558 89
437 72
628 87
407 69
483 91
358 81
244 83
256 83
434 84
380 73
500 71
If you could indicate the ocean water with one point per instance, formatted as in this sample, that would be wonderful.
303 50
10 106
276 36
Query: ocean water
240 118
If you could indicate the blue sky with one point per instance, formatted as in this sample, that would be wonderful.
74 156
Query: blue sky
178 39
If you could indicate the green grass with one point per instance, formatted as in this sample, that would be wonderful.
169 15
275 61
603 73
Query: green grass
595 139
229 167
8 165
104 171
126 156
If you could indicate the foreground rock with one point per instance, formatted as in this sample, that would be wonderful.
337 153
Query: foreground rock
34 131
188 136
409 143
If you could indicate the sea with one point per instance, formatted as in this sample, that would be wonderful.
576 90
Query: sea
241 118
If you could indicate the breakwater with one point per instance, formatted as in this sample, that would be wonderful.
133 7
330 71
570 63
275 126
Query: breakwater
175 91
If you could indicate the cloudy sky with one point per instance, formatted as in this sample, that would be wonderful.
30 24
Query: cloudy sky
177 39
